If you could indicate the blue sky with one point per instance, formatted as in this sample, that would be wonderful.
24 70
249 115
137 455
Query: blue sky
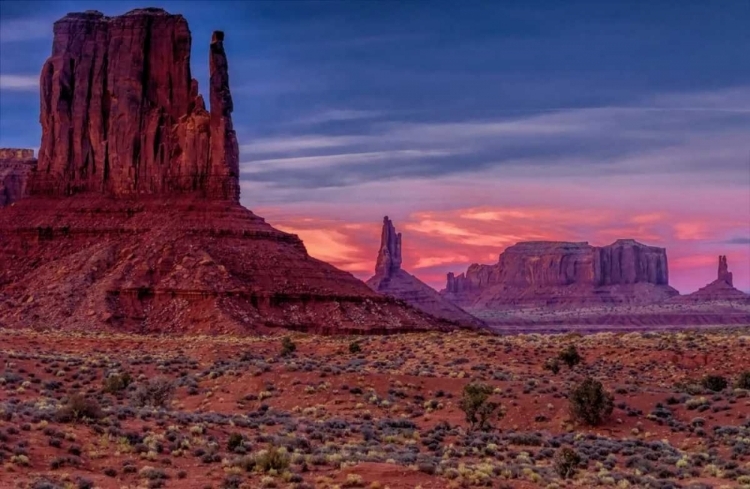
346 111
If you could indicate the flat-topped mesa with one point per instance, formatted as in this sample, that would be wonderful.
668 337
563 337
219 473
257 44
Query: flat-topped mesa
389 256
555 267
15 167
724 274
121 114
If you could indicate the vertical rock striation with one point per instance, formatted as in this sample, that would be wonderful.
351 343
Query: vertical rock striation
121 114
546 272
389 256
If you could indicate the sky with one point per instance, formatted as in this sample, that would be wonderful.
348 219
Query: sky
473 125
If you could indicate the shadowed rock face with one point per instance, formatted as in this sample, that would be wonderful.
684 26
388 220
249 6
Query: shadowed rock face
550 273
133 221
16 166
724 274
121 113
392 281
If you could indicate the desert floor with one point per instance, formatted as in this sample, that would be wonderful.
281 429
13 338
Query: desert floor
244 415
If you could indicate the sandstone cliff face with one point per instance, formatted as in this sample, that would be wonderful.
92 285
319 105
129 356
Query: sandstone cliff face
392 281
133 221
16 166
561 272
121 113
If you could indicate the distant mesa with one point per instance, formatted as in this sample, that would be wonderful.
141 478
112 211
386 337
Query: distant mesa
391 280
721 289
557 273
16 166
132 218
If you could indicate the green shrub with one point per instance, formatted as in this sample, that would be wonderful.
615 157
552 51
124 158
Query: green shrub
714 383
589 403
117 383
271 459
566 462
477 407
235 440
78 408
287 346
354 347
553 365
156 392
743 381
570 356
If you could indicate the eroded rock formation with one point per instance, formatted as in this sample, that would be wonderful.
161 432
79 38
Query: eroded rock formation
133 221
721 289
15 167
392 281
121 113
558 273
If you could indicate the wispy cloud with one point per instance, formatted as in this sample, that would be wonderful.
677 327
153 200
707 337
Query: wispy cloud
18 30
28 83
299 143
336 115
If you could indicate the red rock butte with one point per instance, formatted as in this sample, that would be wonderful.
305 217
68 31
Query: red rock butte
545 273
391 280
132 219
720 290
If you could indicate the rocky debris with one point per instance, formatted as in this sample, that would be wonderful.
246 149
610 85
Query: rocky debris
15 167
564 273
133 220
392 281
720 289
121 113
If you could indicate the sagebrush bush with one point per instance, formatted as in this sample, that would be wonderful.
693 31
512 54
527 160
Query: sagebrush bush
355 347
287 346
570 356
78 408
117 382
156 392
566 462
477 407
714 383
743 381
589 403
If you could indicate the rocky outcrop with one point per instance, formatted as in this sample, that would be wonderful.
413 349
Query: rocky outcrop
392 281
16 166
121 114
720 290
563 273
133 221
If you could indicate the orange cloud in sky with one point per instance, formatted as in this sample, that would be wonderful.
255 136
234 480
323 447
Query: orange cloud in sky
436 242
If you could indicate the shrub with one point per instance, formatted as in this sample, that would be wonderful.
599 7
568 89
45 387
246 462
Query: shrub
553 365
271 459
477 407
287 346
714 383
235 440
156 392
566 462
590 403
78 408
117 383
570 356
355 347
743 381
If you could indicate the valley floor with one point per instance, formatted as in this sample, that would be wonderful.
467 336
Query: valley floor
243 414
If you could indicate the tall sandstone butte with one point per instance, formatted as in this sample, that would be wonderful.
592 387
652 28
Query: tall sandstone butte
564 273
133 221
121 113
391 280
